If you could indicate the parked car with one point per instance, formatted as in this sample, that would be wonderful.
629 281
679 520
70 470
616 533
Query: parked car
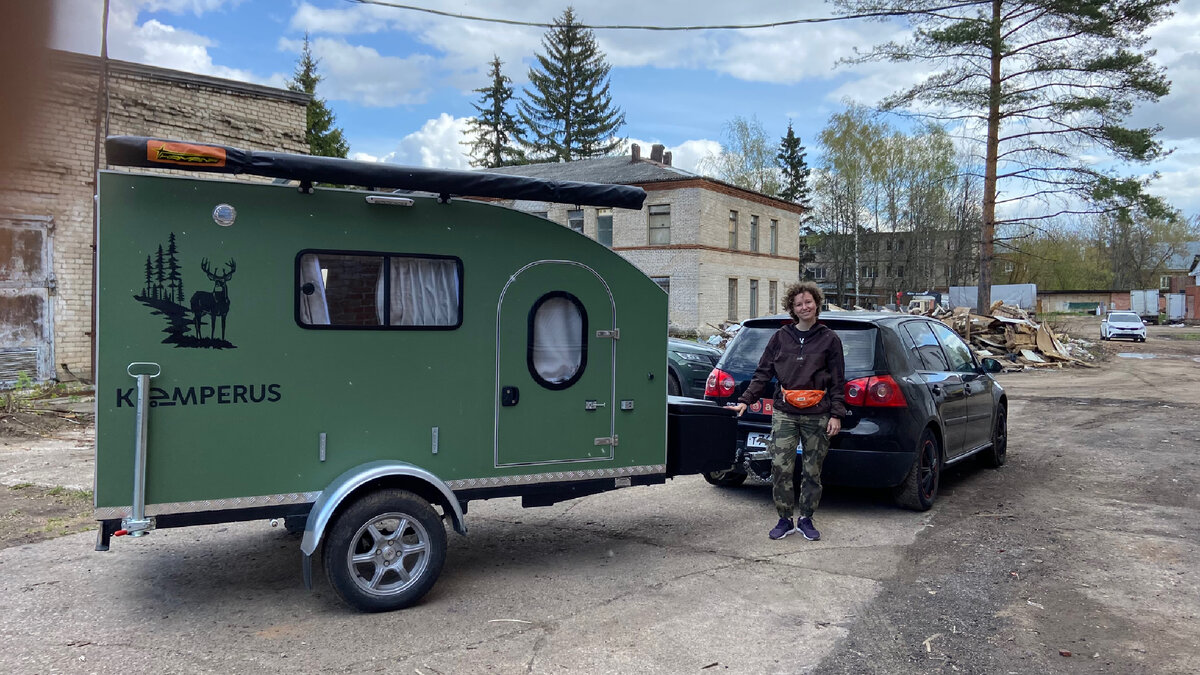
917 400
1123 325
688 366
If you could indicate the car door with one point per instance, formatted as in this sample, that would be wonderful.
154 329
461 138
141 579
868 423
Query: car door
977 387
555 356
946 386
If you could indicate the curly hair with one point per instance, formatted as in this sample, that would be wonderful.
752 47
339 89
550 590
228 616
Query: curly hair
810 287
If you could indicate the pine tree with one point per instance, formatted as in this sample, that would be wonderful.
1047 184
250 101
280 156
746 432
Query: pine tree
149 278
569 113
1046 83
794 168
174 281
158 274
494 131
322 137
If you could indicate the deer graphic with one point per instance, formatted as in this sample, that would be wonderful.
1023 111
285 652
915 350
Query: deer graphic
215 304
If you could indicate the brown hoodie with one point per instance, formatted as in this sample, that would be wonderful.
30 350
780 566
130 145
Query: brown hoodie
809 360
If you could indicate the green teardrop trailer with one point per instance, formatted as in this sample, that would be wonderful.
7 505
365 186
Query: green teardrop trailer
363 364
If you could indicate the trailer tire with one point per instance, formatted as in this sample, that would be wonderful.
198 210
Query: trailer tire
385 551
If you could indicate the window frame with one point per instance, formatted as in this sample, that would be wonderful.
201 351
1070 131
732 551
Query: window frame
733 230
387 285
753 233
571 220
603 214
774 243
650 226
583 349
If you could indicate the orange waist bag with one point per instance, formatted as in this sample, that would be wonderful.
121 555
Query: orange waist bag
803 398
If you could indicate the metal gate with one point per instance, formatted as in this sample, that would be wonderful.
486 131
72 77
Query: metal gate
26 288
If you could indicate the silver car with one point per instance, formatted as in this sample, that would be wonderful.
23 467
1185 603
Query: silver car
1123 325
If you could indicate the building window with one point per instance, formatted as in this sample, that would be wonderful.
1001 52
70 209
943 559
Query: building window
772 297
663 283
1164 282
542 214
816 272
951 245
889 244
732 300
774 238
754 234
888 270
946 271
900 272
604 226
575 220
753 298
660 224
1008 268
733 218
869 272
899 244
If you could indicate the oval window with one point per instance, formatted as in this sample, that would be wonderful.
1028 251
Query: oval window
557 340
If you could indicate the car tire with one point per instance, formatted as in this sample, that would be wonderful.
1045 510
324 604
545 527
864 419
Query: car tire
920 486
385 551
673 387
726 478
997 455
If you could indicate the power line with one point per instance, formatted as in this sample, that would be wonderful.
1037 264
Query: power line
748 26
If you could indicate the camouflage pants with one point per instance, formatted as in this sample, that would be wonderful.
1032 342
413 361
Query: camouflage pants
788 431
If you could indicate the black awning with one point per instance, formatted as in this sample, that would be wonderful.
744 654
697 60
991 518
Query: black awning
141 151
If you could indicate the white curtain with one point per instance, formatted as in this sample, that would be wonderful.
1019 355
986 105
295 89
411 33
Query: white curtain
314 310
557 335
424 292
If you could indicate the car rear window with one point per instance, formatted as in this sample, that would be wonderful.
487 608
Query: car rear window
858 347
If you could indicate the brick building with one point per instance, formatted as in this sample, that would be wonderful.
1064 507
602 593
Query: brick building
46 195
722 253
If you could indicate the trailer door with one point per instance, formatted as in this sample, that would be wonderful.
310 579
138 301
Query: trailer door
555 356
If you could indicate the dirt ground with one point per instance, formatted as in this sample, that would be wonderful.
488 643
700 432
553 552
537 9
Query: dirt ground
31 512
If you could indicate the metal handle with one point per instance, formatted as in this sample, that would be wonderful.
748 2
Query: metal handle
936 389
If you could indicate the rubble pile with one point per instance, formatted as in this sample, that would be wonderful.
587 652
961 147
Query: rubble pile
1008 335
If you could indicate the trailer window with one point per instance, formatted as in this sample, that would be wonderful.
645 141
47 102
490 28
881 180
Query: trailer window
378 291
557 340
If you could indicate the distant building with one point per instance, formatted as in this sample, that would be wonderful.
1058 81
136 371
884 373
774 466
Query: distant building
722 253
46 205
879 265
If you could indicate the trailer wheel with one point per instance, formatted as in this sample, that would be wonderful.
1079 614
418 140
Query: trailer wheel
385 551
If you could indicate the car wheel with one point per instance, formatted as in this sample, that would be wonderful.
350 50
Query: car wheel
673 387
919 488
385 551
726 478
998 454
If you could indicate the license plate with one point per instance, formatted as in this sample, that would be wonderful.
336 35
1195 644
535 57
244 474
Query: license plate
757 440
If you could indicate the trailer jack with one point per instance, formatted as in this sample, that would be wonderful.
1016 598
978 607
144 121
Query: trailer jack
137 524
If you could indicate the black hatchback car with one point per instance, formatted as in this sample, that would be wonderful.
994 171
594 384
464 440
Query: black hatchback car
917 401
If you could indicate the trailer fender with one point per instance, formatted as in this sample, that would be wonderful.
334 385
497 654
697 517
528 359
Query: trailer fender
345 485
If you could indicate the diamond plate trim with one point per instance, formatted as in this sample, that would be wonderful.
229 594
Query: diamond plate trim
554 477
110 512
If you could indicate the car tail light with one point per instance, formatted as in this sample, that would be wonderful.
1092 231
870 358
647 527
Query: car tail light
876 391
720 384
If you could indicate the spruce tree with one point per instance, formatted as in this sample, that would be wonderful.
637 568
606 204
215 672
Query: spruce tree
569 113
323 138
794 168
494 131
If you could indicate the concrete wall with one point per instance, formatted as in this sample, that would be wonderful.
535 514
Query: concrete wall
55 176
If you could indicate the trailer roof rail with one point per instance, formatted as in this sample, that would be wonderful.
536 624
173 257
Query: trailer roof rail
157 153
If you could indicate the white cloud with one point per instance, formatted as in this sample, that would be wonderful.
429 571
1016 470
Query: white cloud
435 145
77 27
363 75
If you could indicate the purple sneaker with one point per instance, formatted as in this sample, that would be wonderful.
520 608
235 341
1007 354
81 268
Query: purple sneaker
805 527
782 529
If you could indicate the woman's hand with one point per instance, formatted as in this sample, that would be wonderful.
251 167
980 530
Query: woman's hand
739 407
834 426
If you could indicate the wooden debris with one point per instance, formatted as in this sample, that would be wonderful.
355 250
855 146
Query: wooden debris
1009 335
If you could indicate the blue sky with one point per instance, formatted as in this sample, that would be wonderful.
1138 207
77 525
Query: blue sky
400 81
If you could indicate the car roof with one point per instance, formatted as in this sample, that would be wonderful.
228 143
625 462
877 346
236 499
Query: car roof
837 317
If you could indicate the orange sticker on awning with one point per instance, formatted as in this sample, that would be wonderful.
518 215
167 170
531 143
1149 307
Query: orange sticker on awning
185 154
